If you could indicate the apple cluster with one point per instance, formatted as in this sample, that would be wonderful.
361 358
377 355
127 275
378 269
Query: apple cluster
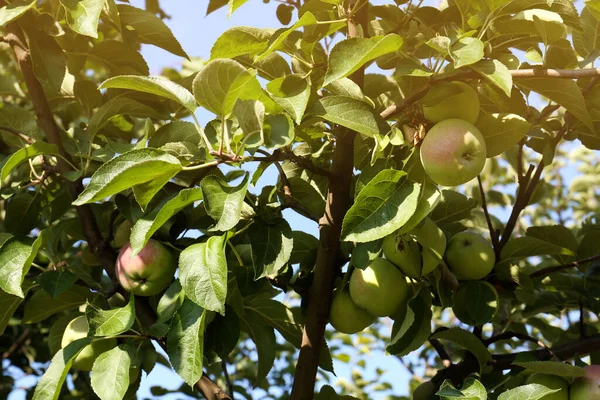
383 288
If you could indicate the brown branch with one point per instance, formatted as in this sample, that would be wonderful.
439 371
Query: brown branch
227 378
91 231
555 73
16 133
302 162
441 350
394 109
509 335
20 340
328 253
557 268
487 214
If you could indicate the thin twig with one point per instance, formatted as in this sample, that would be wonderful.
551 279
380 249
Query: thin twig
487 214
581 319
15 132
20 340
557 268
227 379
511 334
441 350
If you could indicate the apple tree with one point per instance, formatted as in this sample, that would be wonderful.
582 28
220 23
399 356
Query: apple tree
447 155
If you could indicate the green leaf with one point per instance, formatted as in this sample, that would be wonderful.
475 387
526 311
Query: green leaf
271 246
110 373
364 253
495 72
351 54
49 62
350 113
150 29
50 384
21 120
474 390
156 85
203 273
278 38
413 330
562 91
528 392
115 107
221 83
110 322
588 40
501 131
292 93
429 198
20 156
170 302
173 132
8 306
556 234
14 10
56 282
144 170
16 256
223 202
475 303
527 246
83 15
119 58
382 207
185 342
453 207
147 225
467 340
240 40
278 316
264 338
553 368
41 306
466 51
305 246
23 212
278 131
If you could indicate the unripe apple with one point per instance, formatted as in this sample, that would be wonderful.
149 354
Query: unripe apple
380 288
509 59
345 316
463 105
470 256
552 382
425 391
453 152
117 301
122 234
147 273
78 329
415 252
584 389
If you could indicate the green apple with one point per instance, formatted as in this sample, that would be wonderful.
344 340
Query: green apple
453 152
380 288
552 382
122 234
418 252
470 256
147 273
509 59
425 391
584 389
117 301
463 105
78 329
345 316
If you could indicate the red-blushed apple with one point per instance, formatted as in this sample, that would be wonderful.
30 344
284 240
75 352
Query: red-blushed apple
147 273
584 389
453 152
380 288
78 329
470 256
462 105
418 252
345 316
551 382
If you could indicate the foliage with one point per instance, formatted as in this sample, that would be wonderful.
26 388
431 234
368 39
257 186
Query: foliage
89 141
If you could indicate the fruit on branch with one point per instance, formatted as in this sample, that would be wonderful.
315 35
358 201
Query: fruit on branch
425 391
380 288
470 256
345 316
584 389
147 273
122 234
453 152
462 105
509 59
551 382
417 253
78 329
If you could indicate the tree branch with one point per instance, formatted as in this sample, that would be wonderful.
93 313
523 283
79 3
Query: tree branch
91 231
511 334
549 270
18 134
441 350
227 378
493 233
328 253
302 162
